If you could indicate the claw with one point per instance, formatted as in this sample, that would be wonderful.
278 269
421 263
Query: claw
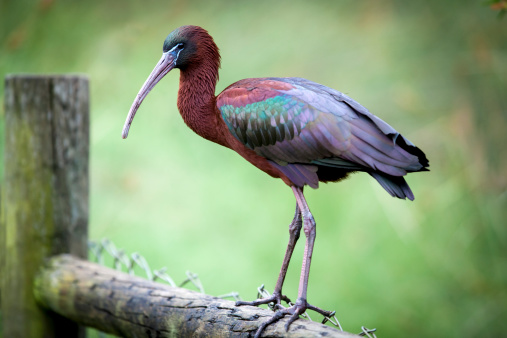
326 318
292 318
294 311
279 307
319 310
276 317
275 298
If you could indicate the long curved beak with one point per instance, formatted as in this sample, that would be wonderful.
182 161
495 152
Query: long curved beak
164 66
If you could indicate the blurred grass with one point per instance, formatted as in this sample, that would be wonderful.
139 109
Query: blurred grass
435 70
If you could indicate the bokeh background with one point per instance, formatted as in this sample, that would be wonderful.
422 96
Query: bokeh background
435 70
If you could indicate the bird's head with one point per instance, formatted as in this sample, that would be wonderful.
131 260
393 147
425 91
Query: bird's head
186 48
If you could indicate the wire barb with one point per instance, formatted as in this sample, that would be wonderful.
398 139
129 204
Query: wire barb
234 295
194 279
367 332
162 275
143 264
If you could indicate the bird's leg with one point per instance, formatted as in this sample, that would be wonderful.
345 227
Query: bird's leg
310 232
277 297
294 232
301 304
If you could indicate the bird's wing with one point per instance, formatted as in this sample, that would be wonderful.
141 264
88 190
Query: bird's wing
296 121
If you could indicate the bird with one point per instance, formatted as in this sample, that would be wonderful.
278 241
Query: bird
291 128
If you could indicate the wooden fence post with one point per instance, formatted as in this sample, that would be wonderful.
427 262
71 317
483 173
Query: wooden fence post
44 203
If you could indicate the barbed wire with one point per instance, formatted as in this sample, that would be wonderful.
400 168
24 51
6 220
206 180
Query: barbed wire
124 262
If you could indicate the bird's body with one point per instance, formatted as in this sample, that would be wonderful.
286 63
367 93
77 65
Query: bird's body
291 128
311 133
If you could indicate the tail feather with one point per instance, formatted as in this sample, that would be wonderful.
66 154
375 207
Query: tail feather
396 186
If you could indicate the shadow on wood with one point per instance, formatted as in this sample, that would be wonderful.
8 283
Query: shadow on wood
129 306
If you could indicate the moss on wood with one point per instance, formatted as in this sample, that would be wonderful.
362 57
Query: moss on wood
45 192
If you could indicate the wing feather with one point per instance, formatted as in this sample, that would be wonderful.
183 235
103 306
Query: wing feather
297 123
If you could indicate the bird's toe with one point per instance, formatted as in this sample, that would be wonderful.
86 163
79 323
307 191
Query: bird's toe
275 299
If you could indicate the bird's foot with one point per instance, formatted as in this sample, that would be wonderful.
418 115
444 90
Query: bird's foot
294 311
275 300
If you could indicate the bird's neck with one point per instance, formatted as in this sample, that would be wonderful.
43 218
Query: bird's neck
197 101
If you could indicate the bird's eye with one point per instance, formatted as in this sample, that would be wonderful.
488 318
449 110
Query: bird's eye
180 45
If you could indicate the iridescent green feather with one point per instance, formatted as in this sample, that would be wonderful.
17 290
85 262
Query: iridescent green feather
266 122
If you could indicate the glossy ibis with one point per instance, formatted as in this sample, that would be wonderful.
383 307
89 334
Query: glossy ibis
290 128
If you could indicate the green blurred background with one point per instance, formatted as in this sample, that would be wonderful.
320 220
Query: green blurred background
435 70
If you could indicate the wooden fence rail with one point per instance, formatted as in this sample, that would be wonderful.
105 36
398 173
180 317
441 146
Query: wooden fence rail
44 214
130 306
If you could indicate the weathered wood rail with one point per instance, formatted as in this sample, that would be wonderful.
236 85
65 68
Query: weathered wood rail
45 292
130 306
